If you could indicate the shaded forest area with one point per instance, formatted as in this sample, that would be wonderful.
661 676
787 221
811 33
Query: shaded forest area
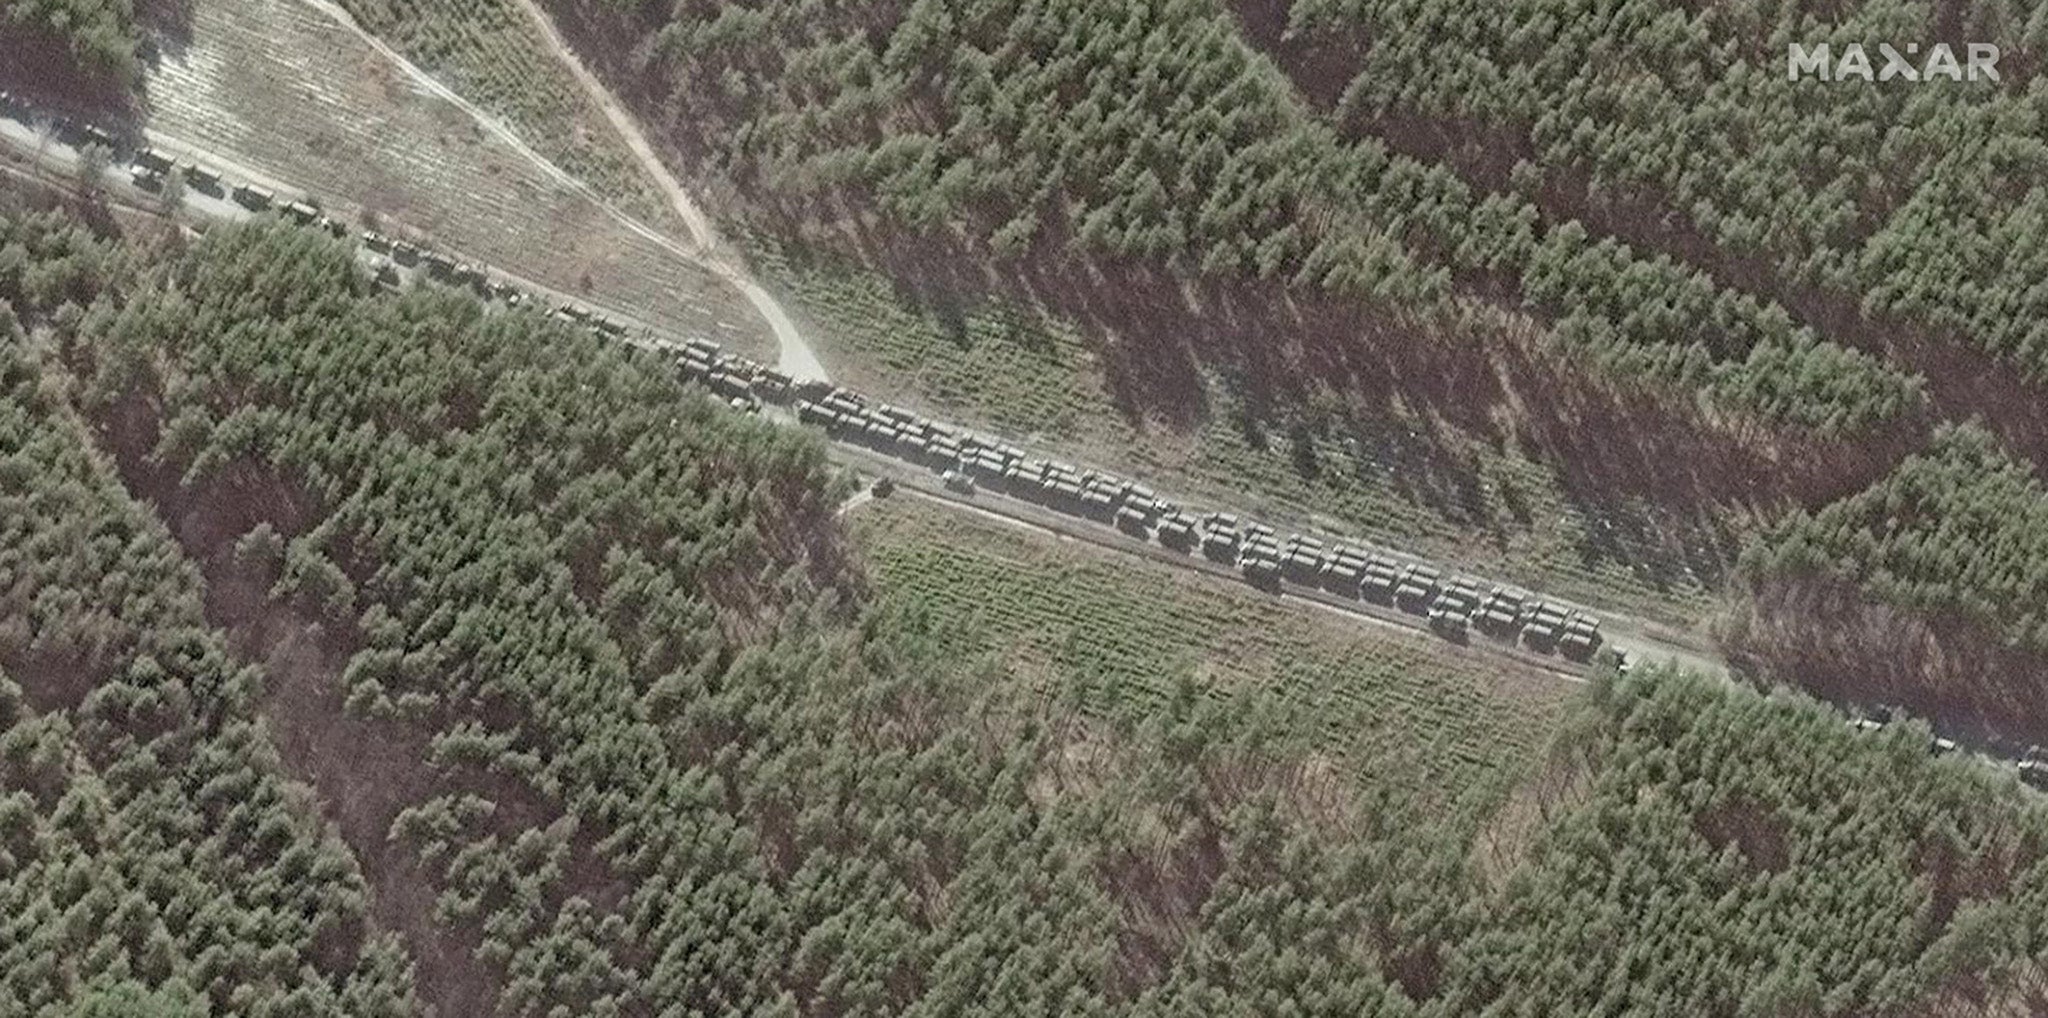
152 859
1113 154
380 651
1929 590
1902 221
87 54
1148 137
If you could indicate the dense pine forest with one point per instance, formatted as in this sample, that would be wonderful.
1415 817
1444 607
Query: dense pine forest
1927 589
1152 137
371 652
94 45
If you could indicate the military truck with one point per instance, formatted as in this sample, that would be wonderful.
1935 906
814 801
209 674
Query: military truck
880 434
1500 613
1448 623
1177 531
1098 503
153 162
1417 588
1543 623
1302 560
1460 596
205 181
957 481
694 365
808 412
2033 767
253 198
1132 521
473 277
301 212
945 450
774 386
1581 637
1261 567
1220 539
1345 571
1872 720
1379 580
913 441
1261 542
1065 493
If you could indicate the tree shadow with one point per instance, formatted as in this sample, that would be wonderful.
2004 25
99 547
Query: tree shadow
1831 640
1655 474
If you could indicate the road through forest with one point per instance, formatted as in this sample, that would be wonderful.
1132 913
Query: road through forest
1634 636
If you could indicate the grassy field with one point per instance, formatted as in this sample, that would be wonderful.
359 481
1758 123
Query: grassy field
1386 475
491 53
278 86
1117 634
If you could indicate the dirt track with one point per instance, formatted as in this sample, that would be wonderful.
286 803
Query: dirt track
794 355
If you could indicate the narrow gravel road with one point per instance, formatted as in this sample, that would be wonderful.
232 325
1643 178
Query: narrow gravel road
794 355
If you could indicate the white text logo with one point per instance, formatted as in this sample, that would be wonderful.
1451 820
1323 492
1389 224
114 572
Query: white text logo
1854 63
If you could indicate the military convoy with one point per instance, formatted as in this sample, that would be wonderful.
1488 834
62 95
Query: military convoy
969 463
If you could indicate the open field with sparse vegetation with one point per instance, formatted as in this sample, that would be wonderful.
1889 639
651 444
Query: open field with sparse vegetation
491 53
1116 636
279 86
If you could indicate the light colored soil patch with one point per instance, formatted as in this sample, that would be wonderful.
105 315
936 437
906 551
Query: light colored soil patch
281 87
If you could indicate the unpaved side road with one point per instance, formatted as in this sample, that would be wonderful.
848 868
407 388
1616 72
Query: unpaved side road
794 356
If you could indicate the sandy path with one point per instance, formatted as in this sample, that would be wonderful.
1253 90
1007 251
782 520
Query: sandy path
794 355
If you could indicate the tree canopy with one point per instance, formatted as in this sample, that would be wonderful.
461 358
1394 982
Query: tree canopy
596 714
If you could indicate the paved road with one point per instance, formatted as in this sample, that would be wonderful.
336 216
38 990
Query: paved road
1639 640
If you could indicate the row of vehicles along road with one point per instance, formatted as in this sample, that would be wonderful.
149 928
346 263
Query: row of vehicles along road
967 462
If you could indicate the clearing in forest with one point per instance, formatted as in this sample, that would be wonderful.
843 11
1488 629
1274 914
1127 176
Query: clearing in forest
1115 635
283 88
